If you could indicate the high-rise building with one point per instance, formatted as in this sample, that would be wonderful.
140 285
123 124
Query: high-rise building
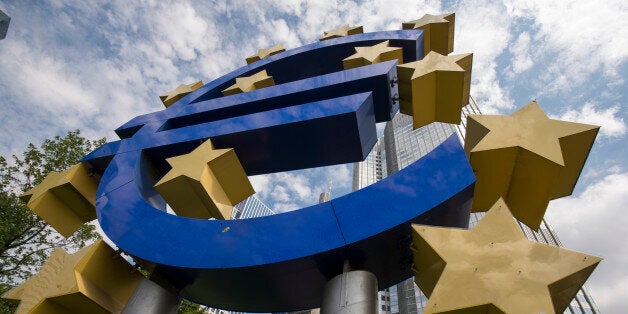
399 147
251 207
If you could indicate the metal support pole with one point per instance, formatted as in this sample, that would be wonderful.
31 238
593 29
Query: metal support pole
151 298
352 292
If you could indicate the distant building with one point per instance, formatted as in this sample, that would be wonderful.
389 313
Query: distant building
399 147
324 197
4 24
251 207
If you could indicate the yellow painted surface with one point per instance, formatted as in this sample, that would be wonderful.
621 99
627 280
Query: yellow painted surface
373 54
173 96
342 31
88 281
438 32
205 183
264 53
435 88
249 83
493 268
526 158
65 200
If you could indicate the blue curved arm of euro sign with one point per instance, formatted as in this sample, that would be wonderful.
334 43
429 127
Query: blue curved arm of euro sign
317 114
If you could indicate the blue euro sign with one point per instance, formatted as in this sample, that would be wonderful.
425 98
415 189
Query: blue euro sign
317 115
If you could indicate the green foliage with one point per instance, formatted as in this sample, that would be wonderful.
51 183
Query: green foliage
188 307
25 240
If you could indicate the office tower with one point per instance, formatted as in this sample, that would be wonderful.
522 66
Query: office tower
372 169
251 207
4 24
401 146
324 197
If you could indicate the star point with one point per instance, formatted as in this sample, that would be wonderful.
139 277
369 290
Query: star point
435 88
181 91
65 200
249 83
265 53
88 281
495 267
342 31
205 183
373 54
438 31
526 158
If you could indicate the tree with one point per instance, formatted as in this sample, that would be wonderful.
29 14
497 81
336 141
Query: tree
25 240
189 307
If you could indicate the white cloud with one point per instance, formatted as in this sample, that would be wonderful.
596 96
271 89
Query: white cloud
521 52
578 37
279 32
261 183
611 124
483 28
594 222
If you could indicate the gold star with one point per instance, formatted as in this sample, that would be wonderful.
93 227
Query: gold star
435 88
526 158
264 53
373 54
65 200
173 96
438 32
205 183
88 281
249 83
493 268
342 31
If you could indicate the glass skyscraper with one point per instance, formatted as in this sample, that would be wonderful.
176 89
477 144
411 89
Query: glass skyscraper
251 207
399 147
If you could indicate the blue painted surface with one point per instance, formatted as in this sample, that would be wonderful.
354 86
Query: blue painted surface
310 61
316 116
258 251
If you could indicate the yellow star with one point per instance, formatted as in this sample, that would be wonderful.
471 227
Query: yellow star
342 31
526 158
435 88
373 54
65 200
493 268
263 53
249 83
173 96
88 281
205 183
438 32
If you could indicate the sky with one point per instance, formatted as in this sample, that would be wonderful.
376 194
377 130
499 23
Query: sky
93 65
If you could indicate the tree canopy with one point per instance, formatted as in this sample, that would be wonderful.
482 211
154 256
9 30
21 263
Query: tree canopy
25 240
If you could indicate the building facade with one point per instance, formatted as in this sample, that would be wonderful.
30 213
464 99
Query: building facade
399 147
251 207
